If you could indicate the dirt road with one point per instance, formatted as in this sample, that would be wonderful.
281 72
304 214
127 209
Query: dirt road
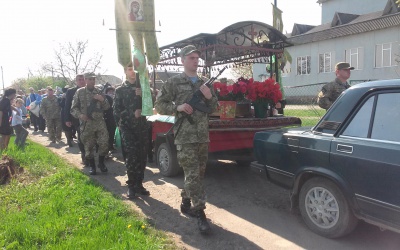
245 210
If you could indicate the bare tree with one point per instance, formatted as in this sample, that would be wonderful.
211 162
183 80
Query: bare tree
72 59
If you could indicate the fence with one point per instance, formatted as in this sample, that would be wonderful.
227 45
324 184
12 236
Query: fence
301 101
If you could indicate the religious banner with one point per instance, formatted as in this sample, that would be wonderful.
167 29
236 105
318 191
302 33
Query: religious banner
277 18
278 24
136 19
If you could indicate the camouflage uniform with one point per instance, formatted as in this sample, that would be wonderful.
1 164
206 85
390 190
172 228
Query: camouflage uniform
51 112
330 92
192 139
93 131
134 132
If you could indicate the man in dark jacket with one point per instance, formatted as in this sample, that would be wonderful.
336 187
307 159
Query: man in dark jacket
71 121
134 131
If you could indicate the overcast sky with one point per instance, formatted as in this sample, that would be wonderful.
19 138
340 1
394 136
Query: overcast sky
31 29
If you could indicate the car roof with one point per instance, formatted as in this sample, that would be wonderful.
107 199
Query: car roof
379 84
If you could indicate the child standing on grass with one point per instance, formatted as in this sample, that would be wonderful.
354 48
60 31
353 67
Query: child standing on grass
20 132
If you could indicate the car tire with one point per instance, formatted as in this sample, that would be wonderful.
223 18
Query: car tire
325 210
167 162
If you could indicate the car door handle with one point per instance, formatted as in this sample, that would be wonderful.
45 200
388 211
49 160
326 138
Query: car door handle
344 148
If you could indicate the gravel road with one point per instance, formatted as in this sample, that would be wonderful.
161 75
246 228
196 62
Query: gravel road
244 209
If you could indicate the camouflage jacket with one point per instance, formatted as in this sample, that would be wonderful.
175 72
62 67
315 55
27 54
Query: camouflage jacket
176 91
126 102
82 100
50 108
330 92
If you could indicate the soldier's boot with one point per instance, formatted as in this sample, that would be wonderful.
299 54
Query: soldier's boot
186 207
92 165
139 189
69 142
131 192
84 160
202 222
102 167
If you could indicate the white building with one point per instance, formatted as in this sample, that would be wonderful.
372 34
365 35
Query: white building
365 33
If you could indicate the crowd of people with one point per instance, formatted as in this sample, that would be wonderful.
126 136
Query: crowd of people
93 117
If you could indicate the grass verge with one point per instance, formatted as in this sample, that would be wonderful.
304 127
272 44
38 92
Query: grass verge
54 206
308 117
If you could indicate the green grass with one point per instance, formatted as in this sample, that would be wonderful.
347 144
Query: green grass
309 117
55 206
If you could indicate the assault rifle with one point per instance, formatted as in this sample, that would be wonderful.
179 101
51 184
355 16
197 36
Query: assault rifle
196 102
92 106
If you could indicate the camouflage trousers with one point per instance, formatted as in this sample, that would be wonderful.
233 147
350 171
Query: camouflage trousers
94 132
135 145
192 157
54 128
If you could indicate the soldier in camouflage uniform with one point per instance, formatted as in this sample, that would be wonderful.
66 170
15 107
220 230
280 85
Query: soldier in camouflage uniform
192 139
88 105
51 112
133 129
331 91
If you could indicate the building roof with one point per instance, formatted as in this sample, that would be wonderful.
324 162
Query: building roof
362 24
344 24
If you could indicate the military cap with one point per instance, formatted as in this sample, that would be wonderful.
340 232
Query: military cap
188 50
343 65
89 75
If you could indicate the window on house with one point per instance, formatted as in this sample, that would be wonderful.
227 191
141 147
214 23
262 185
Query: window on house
325 62
355 57
383 55
303 65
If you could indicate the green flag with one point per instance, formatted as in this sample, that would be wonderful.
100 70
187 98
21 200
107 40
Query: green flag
277 18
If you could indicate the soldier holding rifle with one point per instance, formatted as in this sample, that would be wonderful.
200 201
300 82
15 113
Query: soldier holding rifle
88 105
191 132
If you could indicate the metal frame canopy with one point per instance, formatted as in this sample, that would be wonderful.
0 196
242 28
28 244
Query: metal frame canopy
242 42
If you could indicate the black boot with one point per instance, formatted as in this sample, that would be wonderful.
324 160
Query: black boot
131 192
92 166
69 142
186 207
202 222
102 167
84 160
139 189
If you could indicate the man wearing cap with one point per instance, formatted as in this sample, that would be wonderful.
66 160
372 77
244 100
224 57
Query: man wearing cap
71 121
133 129
191 139
88 106
331 91
51 112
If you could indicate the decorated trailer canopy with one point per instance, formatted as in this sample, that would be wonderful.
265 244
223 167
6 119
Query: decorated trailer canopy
238 44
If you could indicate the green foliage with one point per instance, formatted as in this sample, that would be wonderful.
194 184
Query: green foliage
37 82
55 206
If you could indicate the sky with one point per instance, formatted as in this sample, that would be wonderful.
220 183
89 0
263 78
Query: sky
30 30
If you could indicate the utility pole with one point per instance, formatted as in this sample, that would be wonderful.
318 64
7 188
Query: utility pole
2 77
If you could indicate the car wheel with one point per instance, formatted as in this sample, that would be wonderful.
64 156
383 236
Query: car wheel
325 210
167 162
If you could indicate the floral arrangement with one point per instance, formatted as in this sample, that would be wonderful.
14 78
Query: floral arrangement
232 92
268 90
248 89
